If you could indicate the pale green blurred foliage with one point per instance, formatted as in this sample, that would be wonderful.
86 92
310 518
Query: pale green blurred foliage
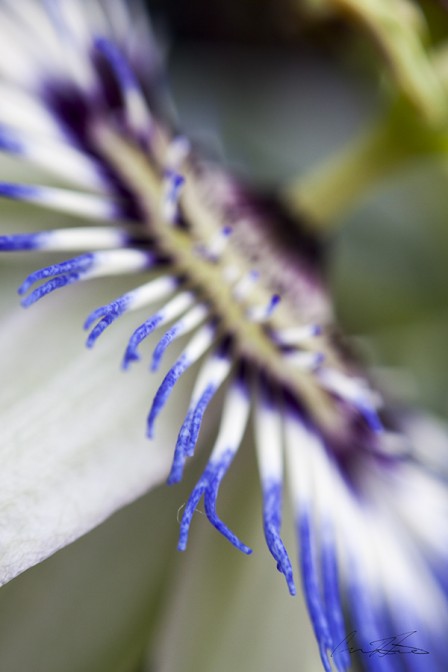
399 31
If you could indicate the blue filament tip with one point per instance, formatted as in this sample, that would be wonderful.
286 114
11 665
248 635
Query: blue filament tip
312 589
198 415
19 191
333 603
161 346
370 416
144 330
211 495
24 241
181 451
109 314
175 183
208 485
275 300
164 391
272 504
50 286
76 266
188 434
189 510
320 359
9 141
118 62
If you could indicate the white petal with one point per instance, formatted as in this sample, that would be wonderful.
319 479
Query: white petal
72 444
99 594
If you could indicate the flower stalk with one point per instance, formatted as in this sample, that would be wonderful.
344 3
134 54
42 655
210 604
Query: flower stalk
415 124
388 146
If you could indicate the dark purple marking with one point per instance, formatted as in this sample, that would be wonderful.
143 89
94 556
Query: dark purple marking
77 113
117 61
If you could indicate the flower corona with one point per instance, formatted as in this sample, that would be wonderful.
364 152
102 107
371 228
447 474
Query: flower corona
242 281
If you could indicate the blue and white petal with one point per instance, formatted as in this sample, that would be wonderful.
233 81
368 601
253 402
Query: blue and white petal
269 446
88 206
56 157
169 312
198 346
65 240
302 445
234 421
137 111
211 376
145 295
377 537
85 267
64 469
192 319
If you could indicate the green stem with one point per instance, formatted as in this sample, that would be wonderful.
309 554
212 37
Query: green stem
324 195
330 191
